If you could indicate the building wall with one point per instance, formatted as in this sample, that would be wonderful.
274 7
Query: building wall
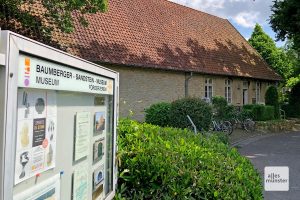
140 88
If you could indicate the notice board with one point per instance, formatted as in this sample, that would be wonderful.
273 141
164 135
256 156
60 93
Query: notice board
63 113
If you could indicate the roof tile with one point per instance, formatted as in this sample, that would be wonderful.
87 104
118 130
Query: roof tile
164 35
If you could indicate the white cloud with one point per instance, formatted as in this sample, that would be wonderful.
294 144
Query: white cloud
246 19
243 12
205 4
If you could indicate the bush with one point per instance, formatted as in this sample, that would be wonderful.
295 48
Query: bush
249 106
158 114
262 112
246 113
197 109
272 99
223 110
170 163
293 108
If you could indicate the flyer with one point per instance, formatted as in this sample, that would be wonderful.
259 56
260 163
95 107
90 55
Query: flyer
98 176
98 150
46 190
83 132
80 182
99 125
98 193
36 133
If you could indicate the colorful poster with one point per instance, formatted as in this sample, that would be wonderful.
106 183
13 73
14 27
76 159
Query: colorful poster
80 182
98 150
83 133
36 133
46 190
99 125
98 176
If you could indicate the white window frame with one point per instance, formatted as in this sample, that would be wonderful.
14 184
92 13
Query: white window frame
208 88
257 91
228 90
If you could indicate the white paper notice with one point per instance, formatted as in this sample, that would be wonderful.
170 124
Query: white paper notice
36 133
83 133
80 182
46 190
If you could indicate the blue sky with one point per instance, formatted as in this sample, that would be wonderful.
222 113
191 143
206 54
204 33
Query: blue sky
243 14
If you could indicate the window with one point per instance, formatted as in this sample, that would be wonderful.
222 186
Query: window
257 91
208 88
228 91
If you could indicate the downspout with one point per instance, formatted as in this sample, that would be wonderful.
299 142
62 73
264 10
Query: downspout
188 76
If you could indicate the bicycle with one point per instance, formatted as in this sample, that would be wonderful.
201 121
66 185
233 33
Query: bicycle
224 126
243 122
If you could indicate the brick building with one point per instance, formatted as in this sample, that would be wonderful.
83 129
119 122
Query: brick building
165 51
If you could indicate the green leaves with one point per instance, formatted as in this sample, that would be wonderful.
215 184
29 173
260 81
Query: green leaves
22 17
170 163
275 57
285 20
61 11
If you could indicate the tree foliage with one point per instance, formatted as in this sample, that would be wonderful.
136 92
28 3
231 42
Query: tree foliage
272 99
275 57
21 16
285 20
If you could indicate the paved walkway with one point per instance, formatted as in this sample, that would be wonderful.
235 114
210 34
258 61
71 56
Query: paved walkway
275 150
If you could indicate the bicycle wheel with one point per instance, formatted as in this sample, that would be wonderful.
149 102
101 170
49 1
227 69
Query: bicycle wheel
234 122
249 125
211 127
227 127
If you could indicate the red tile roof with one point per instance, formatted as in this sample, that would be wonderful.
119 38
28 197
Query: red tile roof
164 35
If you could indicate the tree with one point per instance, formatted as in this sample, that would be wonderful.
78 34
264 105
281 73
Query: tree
285 20
275 57
20 15
272 99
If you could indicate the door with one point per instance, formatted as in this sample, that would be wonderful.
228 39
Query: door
245 96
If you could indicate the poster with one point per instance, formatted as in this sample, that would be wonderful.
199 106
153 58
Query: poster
99 125
46 190
36 133
98 150
83 131
98 193
80 182
98 176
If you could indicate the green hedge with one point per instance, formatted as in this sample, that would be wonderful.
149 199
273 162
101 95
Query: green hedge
293 108
260 112
170 163
222 109
272 99
197 109
158 114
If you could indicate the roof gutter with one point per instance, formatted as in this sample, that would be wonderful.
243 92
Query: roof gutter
188 76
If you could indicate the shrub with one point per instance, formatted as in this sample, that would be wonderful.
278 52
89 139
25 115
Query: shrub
249 106
293 108
246 113
220 137
158 114
223 110
262 112
272 99
269 113
197 109
170 163
219 102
